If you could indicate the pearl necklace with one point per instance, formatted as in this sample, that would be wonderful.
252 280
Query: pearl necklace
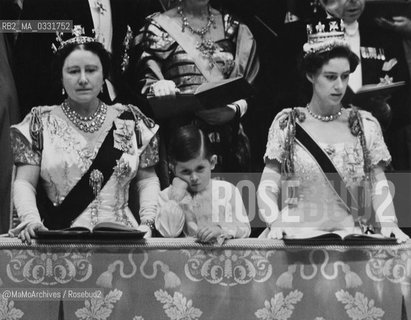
87 124
331 117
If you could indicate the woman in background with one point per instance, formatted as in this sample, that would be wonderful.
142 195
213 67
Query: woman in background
187 46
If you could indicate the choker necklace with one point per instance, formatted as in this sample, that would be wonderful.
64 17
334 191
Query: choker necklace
331 117
207 47
87 124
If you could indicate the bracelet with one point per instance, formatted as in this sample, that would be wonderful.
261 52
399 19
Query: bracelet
149 223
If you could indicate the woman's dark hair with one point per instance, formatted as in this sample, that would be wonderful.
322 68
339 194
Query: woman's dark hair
95 47
186 143
313 62
310 64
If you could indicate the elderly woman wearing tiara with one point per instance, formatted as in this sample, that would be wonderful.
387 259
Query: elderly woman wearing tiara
326 160
84 153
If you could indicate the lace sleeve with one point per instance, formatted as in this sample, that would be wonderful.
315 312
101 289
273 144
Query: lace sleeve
23 152
378 151
276 137
26 137
150 155
148 130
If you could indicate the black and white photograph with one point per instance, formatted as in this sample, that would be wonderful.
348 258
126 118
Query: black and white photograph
205 159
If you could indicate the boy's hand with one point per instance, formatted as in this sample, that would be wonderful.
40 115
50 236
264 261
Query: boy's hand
209 233
178 189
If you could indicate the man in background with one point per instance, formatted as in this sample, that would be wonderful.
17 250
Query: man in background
382 59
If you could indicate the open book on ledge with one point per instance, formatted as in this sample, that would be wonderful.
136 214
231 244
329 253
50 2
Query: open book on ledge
209 95
343 236
380 87
368 91
102 230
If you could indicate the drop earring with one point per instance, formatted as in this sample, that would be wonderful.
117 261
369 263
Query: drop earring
63 92
101 90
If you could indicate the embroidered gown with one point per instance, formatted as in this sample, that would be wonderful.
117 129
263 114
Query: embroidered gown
315 203
163 58
67 154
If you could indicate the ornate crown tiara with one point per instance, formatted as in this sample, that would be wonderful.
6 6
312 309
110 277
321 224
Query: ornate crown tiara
79 38
324 36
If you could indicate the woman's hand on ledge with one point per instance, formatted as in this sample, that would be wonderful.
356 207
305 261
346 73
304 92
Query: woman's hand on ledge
30 230
394 230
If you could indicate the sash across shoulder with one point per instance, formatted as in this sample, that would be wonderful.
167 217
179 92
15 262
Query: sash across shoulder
81 195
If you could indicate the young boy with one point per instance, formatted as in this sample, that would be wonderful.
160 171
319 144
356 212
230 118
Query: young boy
210 210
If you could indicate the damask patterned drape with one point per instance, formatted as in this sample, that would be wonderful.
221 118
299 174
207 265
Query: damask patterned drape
181 279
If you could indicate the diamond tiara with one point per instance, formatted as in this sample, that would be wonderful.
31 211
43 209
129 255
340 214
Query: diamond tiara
78 38
324 36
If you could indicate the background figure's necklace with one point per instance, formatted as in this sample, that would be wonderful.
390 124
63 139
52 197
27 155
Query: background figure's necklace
87 124
207 47
331 117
